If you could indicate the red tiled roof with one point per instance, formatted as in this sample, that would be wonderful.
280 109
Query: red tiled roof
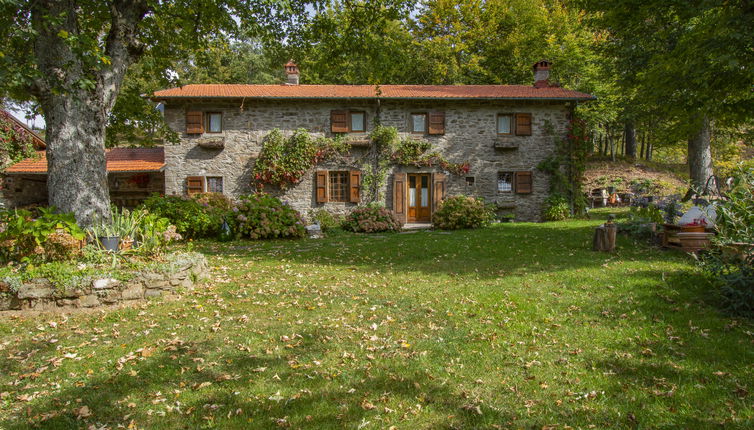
504 92
118 160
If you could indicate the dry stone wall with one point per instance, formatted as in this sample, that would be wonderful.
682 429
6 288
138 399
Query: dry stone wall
470 136
41 294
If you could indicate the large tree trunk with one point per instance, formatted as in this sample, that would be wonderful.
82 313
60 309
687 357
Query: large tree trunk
76 98
700 157
630 131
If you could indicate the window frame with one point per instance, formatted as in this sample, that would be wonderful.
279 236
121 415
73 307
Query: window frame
208 122
511 124
222 184
345 186
511 179
411 122
363 121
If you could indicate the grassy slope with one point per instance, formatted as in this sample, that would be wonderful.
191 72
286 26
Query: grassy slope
601 170
515 326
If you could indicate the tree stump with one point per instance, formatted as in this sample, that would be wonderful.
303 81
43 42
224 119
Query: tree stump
604 237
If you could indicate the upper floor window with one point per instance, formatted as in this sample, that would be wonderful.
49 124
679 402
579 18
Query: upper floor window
419 123
343 121
214 122
504 124
357 121
518 124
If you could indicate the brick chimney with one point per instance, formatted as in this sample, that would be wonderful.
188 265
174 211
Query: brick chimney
291 69
542 74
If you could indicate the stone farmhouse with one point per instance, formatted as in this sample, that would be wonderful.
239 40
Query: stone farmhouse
502 131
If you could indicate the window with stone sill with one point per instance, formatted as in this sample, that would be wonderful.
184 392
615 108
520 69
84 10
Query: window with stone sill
338 182
214 122
357 122
418 123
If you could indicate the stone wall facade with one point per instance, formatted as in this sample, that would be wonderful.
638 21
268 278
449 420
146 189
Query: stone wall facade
42 295
470 136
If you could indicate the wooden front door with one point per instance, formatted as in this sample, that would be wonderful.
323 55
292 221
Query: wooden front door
419 199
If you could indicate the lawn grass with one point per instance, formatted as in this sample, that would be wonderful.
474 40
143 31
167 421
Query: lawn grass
512 326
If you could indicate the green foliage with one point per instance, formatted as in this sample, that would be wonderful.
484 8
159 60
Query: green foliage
50 236
191 218
567 166
372 218
414 152
556 208
646 214
15 141
283 161
327 221
459 212
735 214
732 271
262 216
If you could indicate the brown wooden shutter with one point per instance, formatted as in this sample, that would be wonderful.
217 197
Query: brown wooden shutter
399 196
436 123
194 122
321 186
523 183
194 185
354 186
523 124
339 121
439 189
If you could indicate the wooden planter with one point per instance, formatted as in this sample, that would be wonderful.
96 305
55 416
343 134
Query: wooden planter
694 241
692 229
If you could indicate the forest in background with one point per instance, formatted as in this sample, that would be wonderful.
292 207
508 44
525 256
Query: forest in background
664 72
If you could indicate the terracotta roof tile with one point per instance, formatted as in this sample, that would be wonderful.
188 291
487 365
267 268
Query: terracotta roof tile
118 160
504 92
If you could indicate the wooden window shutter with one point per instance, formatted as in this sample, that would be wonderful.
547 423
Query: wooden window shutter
523 183
339 121
436 123
321 186
438 189
399 196
194 122
523 124
194 185
354 186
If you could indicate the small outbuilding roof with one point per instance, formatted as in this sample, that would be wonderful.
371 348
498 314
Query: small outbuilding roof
118 160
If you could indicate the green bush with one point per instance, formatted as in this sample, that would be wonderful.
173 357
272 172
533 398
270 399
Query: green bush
327 221
50 236
261 216
735 214
556 208
191 218
372 218
459 212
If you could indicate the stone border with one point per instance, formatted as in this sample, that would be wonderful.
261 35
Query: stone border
41 294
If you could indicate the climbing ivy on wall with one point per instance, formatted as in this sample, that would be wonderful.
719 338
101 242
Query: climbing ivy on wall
15 141
568 164
284 161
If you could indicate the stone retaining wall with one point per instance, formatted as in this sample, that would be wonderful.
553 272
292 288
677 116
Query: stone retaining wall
41 294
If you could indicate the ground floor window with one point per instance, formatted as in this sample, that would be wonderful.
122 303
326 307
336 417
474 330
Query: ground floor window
504 182
338 182
204 184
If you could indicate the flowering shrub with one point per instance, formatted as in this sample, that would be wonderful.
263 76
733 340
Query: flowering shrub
284 161
15 141
214 200
191 218
261 216
458 212
416 153
371 219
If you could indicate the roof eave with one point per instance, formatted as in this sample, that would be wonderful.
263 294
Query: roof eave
165 98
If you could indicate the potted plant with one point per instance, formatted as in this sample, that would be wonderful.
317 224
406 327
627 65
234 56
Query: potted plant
697 226
106 235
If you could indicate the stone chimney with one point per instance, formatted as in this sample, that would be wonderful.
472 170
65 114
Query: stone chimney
291 69
542 74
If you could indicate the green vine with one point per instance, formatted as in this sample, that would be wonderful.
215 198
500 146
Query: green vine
567 166
284 161
417 153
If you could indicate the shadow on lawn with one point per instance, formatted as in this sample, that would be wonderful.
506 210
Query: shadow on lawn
496 251
312 397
